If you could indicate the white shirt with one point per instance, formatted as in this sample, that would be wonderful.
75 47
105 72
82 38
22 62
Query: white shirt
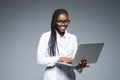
67 46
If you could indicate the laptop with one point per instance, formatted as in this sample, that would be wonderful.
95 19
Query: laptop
91 51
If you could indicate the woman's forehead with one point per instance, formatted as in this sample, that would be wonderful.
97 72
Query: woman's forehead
62 16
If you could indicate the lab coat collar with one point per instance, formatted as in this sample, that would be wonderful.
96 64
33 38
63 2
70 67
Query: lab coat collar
64 36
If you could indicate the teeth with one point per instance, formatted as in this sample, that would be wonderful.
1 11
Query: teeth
62 27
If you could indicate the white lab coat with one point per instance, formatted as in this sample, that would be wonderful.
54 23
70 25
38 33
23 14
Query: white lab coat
67 46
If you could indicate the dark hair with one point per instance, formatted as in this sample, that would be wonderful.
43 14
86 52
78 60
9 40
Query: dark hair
53 40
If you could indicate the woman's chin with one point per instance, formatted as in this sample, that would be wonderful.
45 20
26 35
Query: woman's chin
62 31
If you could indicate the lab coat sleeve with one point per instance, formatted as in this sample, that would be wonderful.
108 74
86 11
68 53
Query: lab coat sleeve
78 69
42 52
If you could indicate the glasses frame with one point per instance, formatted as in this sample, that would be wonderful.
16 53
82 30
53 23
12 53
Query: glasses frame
60 22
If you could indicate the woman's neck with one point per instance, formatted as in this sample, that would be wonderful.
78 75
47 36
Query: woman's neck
61 33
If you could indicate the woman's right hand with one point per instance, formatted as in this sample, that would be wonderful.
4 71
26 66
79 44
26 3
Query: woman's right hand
65 59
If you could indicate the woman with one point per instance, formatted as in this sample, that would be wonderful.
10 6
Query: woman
58 45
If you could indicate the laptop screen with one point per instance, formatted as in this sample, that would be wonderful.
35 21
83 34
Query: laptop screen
91 51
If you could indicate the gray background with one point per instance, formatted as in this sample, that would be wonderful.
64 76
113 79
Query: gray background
23 21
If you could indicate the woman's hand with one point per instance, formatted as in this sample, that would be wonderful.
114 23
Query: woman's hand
65 59
83 63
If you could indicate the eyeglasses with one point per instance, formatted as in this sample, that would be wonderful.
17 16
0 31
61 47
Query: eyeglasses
66 22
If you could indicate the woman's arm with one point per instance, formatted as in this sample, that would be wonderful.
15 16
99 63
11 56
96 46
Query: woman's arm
42 52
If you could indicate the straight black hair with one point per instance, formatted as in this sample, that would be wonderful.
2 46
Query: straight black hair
53 40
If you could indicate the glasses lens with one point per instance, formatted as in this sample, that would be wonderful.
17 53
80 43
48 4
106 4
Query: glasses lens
65 21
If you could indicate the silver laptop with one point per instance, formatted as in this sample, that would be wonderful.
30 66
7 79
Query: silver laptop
91 51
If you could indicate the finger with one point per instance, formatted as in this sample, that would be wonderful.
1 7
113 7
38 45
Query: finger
80 62
70 58
87 65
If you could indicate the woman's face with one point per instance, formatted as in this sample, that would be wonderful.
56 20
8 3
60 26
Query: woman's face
62 23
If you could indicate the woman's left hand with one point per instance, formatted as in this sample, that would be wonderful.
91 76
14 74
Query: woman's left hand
83 63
